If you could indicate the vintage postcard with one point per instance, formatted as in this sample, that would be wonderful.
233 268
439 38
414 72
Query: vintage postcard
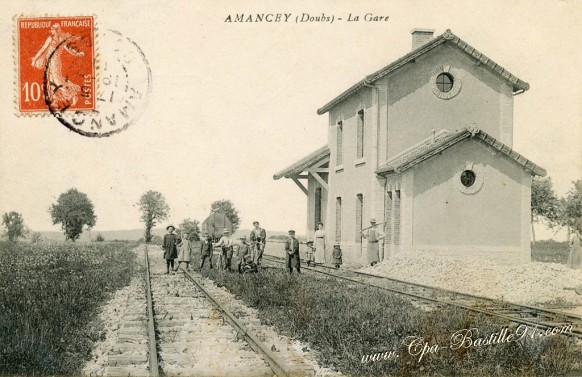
251 188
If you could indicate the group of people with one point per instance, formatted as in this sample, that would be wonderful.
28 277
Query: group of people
247 255
247 258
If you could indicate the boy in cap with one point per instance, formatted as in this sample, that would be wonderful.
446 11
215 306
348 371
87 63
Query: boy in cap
337 255
169 247
292 249
205 249
310 253
226 244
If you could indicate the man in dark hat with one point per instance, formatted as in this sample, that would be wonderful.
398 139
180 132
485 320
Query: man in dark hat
205 249
258 238
169 247
242 252
292 249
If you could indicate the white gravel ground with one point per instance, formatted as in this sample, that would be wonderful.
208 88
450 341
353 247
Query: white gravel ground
534 283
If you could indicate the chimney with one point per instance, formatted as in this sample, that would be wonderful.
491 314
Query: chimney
420 37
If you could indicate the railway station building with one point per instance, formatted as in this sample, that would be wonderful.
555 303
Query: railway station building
423 145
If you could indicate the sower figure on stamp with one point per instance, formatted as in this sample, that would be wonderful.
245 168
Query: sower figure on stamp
292 251
63 92
225 243
169 247
374 235
258 238
205 250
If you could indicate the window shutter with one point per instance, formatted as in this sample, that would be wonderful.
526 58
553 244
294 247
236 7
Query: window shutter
338 219
359 213
361 129
339 151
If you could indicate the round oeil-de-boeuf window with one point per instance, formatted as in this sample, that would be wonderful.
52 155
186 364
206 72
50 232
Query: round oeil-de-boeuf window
468 178
445 82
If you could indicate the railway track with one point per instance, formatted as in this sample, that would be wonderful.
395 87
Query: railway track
537 318
195 335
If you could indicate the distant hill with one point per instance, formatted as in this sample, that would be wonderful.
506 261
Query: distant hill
135 234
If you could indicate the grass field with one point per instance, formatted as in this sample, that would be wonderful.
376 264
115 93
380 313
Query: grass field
550 251
345 322
49 296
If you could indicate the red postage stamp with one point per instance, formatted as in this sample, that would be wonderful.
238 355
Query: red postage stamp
56 64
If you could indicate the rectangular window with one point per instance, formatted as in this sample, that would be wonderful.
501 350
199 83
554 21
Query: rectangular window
359 216
338 219
397 218
361 129
339 144
317 206
389 219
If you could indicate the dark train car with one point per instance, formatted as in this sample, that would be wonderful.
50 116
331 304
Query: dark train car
215 225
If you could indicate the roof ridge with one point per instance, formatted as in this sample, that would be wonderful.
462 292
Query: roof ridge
447 36
415 156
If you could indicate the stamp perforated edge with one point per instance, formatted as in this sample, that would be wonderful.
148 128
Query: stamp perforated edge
16 57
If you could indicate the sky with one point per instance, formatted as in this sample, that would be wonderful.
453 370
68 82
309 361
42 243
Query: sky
231 104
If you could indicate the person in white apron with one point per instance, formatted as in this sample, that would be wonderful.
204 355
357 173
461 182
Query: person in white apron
374 236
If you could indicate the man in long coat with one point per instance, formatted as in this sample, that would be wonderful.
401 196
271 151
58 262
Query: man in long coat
292 251
374 236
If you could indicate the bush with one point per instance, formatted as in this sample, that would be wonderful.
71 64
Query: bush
49 296
99 238
550 251
345 322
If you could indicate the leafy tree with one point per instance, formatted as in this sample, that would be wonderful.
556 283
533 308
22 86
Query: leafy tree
544 204
192 227
228 209
571 207
99 238
153 208
73 211
36 237
14 224
157 240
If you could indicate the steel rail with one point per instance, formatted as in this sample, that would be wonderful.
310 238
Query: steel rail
153 350
576 333
277 366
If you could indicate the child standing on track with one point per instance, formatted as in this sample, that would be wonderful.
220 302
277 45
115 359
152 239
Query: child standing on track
337 255
310 253
184 252
169 247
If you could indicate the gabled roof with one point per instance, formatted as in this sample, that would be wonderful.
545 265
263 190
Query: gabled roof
446 37
306 162
446 139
